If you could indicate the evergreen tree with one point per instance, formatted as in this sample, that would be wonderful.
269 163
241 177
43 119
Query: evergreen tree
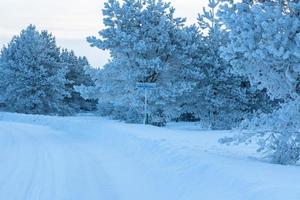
32 76
76 75
220 98
142 37
264 45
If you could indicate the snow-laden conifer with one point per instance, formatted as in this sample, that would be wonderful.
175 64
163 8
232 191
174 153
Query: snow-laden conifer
264 45
32 76
76 75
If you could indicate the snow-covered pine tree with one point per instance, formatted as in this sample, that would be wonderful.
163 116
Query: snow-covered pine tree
220 99
32 76
76 75
142 37
264 45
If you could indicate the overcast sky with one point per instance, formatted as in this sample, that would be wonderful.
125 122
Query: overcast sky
71 21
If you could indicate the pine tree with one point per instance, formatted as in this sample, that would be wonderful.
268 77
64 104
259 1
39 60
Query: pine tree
220 99
142 37
32 76
76 75
264 45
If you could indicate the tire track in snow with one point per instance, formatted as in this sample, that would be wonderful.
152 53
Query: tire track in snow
92 181
13 167
6 156
43 165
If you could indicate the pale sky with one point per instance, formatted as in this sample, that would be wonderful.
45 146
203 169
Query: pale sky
71 21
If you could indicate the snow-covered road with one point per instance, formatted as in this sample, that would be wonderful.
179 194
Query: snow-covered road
87 158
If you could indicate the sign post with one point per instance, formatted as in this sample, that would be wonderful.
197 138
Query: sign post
146 87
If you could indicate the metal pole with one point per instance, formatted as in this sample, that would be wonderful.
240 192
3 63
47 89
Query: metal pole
145 107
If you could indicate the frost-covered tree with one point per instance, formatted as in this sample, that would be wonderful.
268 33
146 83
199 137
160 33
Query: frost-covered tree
76 75
32 77
264 45
220 98
143 38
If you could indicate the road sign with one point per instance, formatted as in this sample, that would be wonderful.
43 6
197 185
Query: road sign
149 86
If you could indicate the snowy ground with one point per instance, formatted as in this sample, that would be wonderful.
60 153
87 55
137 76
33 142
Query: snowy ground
91 158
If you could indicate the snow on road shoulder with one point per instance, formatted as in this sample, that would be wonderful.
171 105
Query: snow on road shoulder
192 139
213 167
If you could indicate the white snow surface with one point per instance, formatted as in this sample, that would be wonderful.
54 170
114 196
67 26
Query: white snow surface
93 158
